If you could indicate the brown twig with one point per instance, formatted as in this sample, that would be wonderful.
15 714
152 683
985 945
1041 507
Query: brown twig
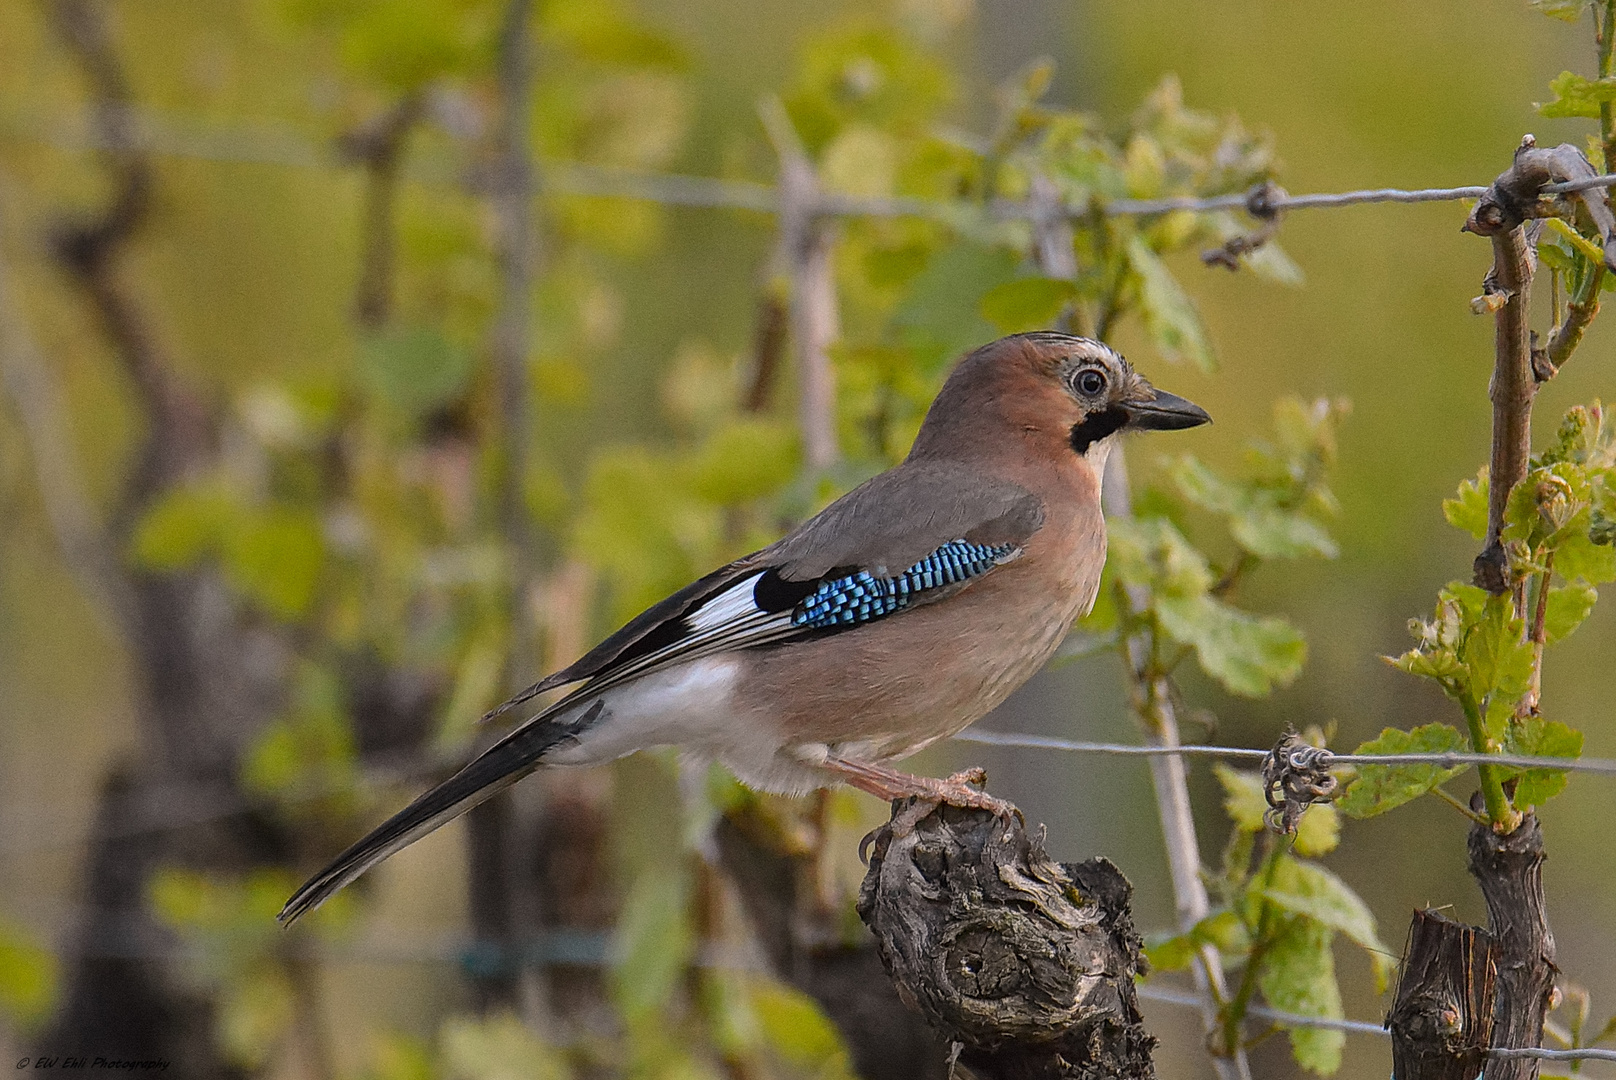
807 242
494 833
1500 215
379 148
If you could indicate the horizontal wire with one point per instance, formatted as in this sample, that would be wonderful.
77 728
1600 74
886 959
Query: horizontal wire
1454 760
216 807
1169 996
592 949
266 144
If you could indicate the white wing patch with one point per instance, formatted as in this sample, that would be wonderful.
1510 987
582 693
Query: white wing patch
729 621
734 603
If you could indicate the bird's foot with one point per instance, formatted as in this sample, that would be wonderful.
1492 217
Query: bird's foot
961 789
964 788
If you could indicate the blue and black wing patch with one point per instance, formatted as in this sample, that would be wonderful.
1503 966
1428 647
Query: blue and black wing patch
764 608
859 597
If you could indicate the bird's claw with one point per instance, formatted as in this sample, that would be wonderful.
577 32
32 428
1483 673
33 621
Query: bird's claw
955 790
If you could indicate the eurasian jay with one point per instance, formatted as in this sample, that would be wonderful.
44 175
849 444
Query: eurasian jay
897 616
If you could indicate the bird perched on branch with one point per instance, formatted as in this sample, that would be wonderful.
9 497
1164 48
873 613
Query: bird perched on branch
897 616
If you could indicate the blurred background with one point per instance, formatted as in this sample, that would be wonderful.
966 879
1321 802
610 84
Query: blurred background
320 435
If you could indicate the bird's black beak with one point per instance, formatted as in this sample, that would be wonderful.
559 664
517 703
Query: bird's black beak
1165 412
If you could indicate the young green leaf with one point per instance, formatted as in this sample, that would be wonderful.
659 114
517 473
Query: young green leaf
1567 607
1170 315
1281 534
1496 660
1537 737
1319 831
1580 556
1243 797
653 942
497 1047
28 977
1307 889
1379 788
1468 510
797 1029
1248 654
1564 10
1297 974
1576 95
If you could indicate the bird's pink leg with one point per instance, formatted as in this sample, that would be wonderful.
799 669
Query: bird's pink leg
885 783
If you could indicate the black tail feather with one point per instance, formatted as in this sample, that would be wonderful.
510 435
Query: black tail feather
502 765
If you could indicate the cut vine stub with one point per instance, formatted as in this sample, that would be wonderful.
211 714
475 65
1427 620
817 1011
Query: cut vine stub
1442 1019
1025 963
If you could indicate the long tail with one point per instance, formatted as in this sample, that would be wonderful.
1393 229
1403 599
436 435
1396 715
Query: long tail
496 769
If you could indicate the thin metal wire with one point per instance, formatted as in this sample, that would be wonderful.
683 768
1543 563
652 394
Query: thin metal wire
1603 766
593 950
266 144
1169 996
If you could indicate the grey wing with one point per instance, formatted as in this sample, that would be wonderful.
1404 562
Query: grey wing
884 526
898 518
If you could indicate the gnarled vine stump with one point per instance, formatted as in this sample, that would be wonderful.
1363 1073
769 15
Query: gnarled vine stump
1025 963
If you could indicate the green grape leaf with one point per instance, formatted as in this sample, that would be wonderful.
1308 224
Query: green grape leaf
1379 788
1282 534
1537 737
1221 929
1567 607
1564 10
745 459
1271 263
1170 315
1319 831
1442 664
1307 889
1248 654
183 526
1496 660
1297 974
1578 556
1031 303
1243 797
652 944
1468 510
414 369
1205 487
1576 95
497 1047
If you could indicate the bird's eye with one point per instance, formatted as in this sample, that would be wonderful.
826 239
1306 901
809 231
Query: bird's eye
1090 383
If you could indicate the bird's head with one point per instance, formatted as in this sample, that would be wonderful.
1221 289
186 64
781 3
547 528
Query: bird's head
1056 388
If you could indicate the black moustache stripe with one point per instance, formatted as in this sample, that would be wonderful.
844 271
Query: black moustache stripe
1096 427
